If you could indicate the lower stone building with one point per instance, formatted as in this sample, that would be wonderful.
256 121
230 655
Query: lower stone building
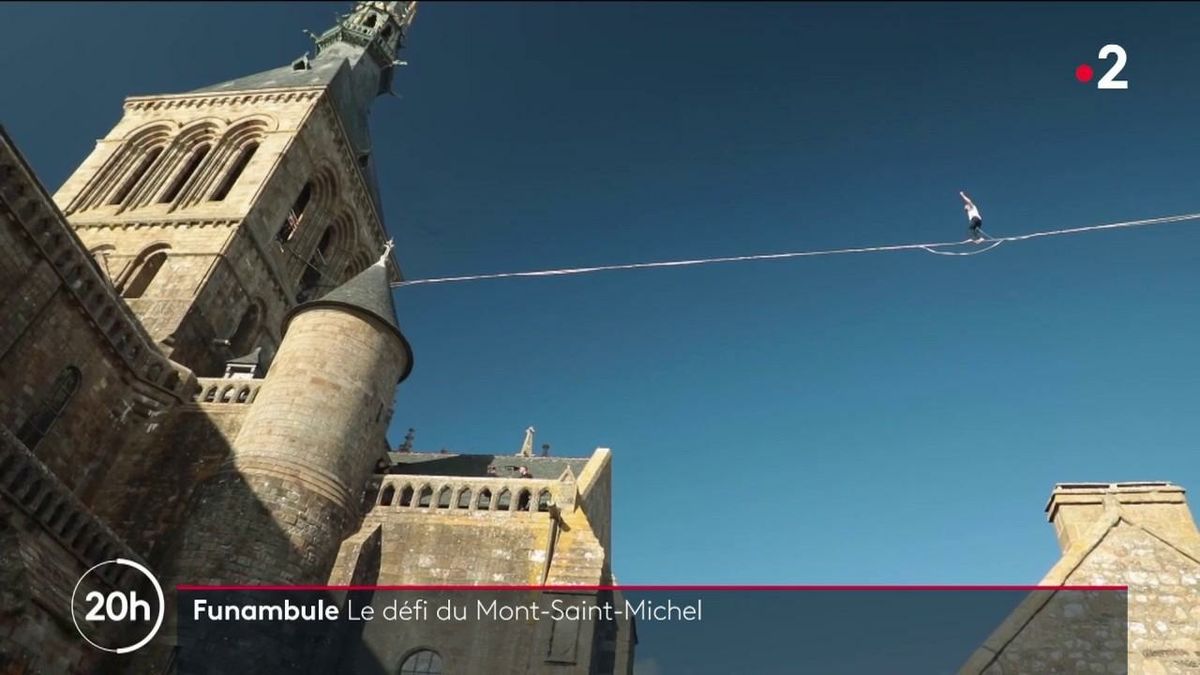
1138 535
484 521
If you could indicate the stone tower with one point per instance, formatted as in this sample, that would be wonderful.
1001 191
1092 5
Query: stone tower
292 488
215 211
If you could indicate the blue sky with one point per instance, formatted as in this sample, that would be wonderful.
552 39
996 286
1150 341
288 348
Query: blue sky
894 418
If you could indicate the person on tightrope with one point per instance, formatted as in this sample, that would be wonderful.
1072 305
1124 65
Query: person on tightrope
973 216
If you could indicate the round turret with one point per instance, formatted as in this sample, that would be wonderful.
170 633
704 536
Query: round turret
291 489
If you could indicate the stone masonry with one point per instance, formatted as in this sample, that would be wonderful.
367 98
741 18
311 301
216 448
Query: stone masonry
1139 535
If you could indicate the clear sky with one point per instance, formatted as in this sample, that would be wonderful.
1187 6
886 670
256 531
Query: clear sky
891 418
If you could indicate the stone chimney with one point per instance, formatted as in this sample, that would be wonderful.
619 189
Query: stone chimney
1074 508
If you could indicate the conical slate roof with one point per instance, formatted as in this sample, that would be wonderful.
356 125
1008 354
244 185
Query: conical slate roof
368 293
254 358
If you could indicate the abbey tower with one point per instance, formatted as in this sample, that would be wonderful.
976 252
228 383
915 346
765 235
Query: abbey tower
215 211
200 353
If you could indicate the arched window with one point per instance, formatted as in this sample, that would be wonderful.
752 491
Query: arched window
321 255
235 171
100 256
144 271
543 503
51 407
314 271
135 177
464 498
185 174
389 493
444 497
292 222
406 496
523 498
370 21
504 501
426 497
243 337
485 500
422 662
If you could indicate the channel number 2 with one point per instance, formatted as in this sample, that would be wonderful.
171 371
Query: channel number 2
1109 80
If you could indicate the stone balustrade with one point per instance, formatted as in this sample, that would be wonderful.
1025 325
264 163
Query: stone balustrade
227 390
454 493
45 499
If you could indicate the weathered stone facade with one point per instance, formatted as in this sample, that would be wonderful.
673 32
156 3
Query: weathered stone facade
1138 535
470 528
237 224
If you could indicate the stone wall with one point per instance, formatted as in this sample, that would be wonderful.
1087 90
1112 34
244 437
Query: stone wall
189 447
595 493
431 542
60 314
41 559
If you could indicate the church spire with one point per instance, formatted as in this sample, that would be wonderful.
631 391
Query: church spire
366 40
354 62
375 29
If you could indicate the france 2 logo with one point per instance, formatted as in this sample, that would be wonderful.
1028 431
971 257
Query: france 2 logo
1084 72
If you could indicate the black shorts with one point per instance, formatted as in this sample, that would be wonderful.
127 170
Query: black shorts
976 223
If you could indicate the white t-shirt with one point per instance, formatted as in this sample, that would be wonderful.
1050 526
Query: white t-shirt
972 212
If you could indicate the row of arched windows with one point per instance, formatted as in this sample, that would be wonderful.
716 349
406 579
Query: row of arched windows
464 498
155 166
136 279
318 242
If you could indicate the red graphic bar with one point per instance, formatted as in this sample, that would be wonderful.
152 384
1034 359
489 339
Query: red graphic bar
456 587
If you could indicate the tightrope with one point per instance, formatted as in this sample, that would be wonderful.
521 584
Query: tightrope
992 242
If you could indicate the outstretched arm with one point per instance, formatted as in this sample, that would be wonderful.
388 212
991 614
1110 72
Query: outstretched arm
964 196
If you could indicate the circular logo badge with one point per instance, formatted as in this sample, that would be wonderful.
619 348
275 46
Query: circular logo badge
119 610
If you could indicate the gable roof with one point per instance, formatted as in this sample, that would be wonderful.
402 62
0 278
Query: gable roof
475 466
1070 562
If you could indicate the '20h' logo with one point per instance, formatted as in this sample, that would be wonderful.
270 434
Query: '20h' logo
115 612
